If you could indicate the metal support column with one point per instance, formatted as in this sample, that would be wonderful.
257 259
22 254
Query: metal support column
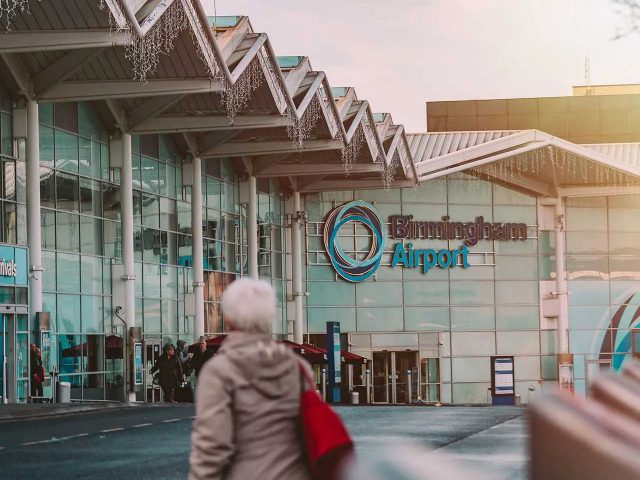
128 277
34 232
198 269
252 228
565 359
296 270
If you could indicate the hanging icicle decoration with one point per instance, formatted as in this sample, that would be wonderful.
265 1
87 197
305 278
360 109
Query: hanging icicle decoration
351 152
388 172
145 52
9 9
302 129
235 98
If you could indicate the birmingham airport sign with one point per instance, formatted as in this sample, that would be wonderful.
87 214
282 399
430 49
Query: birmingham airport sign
404 227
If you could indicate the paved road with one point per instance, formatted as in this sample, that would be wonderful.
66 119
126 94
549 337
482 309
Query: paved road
152 442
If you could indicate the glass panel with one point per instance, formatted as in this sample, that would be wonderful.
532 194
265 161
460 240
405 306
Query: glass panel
330 293
471 370
517 317
68 273
518 343
586 219
473 343
111 201
92 316
472 318
513 292
67 193
317 319
152 322
67 232
472 293
378 294
68 315
90 197
426 318
91 271
381 319
91 235
66 148
47 187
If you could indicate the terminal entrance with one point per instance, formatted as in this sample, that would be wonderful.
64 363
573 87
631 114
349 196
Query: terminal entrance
404 377
395 377
14 355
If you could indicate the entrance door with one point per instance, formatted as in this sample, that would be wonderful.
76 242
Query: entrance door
14 355
152 350
430 382
395 377
382 377
406 376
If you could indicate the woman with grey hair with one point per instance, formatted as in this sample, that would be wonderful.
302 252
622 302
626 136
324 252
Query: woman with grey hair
248 398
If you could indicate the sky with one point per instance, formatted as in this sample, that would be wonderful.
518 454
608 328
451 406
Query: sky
399 54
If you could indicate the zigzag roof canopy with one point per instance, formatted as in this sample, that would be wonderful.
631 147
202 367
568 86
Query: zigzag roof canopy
216 85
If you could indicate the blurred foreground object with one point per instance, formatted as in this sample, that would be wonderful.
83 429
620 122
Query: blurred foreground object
589 438
410 462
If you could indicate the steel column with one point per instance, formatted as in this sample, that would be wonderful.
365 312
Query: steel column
252 228
128 276
198 247
33 207
296 270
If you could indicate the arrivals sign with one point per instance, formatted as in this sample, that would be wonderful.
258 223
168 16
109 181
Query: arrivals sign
406 227
13 265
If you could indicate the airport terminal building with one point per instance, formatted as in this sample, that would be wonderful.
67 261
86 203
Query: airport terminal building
491 256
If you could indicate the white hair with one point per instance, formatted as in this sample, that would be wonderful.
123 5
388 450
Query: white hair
250 305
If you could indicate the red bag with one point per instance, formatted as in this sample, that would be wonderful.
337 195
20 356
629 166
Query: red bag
327 441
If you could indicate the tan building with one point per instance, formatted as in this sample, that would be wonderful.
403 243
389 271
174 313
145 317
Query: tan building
601 118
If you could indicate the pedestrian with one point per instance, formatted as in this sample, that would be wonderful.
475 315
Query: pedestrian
184 357
202 355
247 423
169 372
37 374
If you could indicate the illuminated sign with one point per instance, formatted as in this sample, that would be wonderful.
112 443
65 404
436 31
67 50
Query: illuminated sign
404 227
8 268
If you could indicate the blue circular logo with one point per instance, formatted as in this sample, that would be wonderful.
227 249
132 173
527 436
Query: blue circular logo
347 267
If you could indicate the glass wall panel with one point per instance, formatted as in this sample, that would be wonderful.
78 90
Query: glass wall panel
426 318
473 343
473 318
518 343
380 319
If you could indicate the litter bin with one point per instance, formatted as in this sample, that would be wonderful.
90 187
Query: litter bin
63 392
518 401
355 398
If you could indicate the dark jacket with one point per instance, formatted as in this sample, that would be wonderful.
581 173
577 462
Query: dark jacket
200 358
37 369
170 371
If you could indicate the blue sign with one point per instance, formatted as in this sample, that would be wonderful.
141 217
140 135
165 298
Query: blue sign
334 356
14 265
349 268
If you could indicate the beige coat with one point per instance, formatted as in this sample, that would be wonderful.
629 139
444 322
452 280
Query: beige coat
247 409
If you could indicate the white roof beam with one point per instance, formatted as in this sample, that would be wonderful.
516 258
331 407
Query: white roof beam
237 149
215 138
597 191
17 73
63 68
150 109
102 90
351 184
201 123
297 170
50 40
520 182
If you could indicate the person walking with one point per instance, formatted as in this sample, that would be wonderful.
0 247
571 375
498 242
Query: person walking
202 356
170 372
184 357
37 374
247 423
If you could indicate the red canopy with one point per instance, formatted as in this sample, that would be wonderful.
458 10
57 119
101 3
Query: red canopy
113 348
348 357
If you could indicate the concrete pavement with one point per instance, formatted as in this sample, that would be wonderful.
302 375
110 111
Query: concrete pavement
147 442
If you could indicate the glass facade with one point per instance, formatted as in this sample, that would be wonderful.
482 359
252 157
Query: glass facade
464 316
454 319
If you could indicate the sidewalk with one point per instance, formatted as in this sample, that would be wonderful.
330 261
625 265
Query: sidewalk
24 411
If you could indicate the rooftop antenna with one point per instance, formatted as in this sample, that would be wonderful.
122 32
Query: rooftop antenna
587 77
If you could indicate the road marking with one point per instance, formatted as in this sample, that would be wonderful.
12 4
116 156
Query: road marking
140 425
81 435
119 429
52 440
171 420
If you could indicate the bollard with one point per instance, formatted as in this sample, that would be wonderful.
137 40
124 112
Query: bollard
324 384
367 384
409 386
